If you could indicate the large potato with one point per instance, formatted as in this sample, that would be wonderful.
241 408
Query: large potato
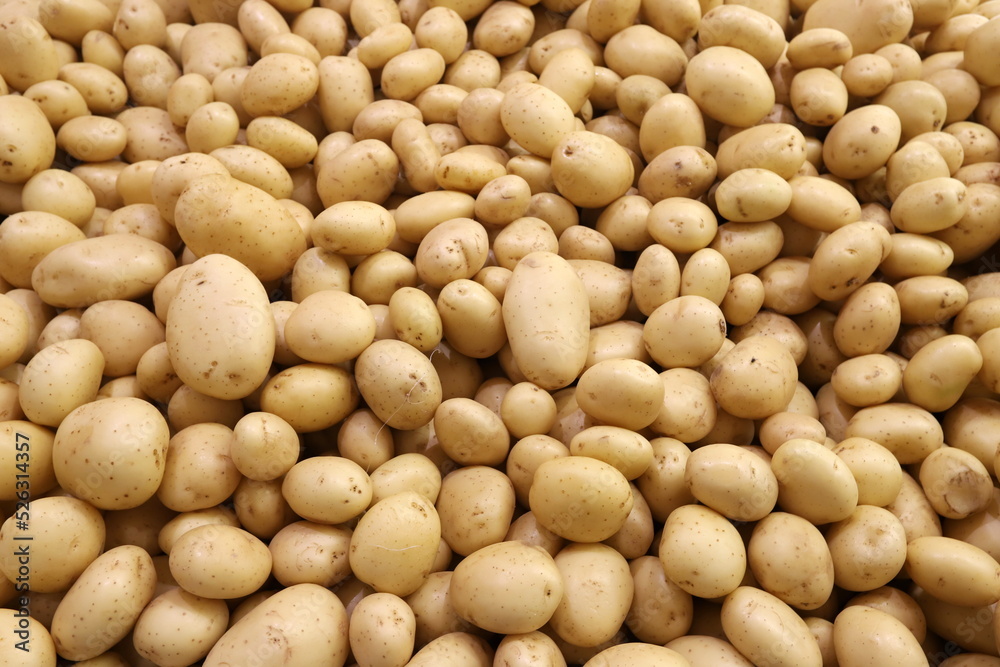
220 329
547 315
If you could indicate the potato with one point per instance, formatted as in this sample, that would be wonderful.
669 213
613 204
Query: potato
729 85
395 543
778 637
868 548
854 634
580 498
59 379
731 480
537 118
219 562
310 396
775 556
847 258
454 648
299 554
399 383
579 157
590 615
123 467
741 389
86 625
526 575
956 572
690 533
371 640
220 330
53 520
322 641
801 466
311 332
195 625
28 140
862 141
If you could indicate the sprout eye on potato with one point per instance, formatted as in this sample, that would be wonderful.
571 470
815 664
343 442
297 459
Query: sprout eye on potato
495 332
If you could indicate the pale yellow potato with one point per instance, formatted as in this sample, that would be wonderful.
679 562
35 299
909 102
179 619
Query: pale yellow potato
869 320
621 392
26 437
15 338
454 648
148 72
219 562
590 169
641 49
406 472
274 620
802 467
198 472
525 575
327 489
536 118
862 141
818 96
790 559
59 192
681 225
783 426
58 100
250 165
85 624
847 258
268 250
211 126
476 504
408 74
740 386
219 515
329 327
732 480
471 318
690 534
916 255
966 426
590 616
956 483
399 383
177 627
59 379
527 409
927 300
744 28
822 204
28 53
729 85
954 571
521 649
777 636
382 630
667 120
53 520
220 331
854 635
26 639
123 331
417 152
868 548
777 147
938 374
395 543
310 396
819 47
684 332
441 28
708 650
866 380
365 171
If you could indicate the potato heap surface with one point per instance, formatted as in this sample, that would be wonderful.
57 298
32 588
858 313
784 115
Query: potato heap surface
516 333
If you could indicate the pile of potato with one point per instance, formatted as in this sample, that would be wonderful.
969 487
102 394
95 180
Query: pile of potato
520 333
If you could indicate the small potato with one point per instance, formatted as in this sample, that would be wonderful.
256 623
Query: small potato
822 204
86 625
801 467
854 635
399 383
591 615
684 332
819 47
513 650
382 628
790 559
580 498
869 320
953 571
868 548
916 255
195 624
690 534
743 28
621 392
866 380
264 446
818 96
658 56
536 118
526 575
739 386
527 409
327 489
681 225
732 480
579 157
470 433
365 171
777 147
729 85
59 379
198 472
682 171
454 249
927 300
752 195
847 258
330 327
441 28
862 141
219 562
408 74
395 543
60 192
956 483
954 357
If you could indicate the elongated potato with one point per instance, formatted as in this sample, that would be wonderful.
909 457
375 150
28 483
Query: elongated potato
547 316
